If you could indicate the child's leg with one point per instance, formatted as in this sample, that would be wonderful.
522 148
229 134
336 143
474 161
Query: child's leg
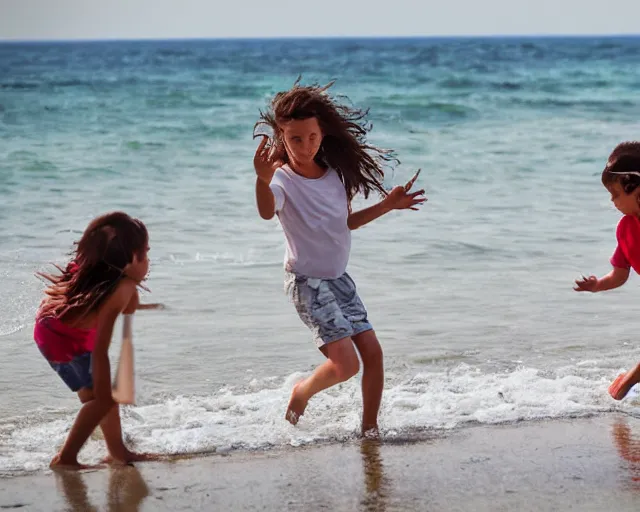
372 377
77 375
112 431
623 384
342 364
89 417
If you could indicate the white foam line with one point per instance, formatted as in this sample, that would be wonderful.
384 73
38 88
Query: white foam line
229 419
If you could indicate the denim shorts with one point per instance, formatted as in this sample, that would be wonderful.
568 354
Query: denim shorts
76 374
67 350
331 308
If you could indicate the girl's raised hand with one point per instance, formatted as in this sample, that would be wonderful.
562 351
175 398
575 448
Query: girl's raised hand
400 199
266 161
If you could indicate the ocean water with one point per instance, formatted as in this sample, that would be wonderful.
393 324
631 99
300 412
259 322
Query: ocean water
471 297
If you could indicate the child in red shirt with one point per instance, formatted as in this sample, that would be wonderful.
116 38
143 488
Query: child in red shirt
621 177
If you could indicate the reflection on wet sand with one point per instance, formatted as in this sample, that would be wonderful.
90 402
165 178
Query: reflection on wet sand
377 485
628 447
74 489
126 492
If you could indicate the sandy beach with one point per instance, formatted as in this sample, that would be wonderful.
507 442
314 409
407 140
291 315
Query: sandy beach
587 464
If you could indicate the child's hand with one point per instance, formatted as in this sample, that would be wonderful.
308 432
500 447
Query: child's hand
266 161
587 284
400 199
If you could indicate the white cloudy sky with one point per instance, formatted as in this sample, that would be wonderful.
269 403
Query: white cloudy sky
157 19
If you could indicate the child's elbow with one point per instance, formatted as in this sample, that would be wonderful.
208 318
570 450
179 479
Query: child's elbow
266 214
133 305
352 222
621 275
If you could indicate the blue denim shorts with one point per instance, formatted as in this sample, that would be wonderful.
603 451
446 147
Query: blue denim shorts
331 308
76 373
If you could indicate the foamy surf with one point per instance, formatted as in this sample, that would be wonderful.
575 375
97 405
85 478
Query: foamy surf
225 259
252 419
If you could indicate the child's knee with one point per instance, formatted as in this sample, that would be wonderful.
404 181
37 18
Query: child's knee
86 395
105 400
108 407
104 404
373 355
348 368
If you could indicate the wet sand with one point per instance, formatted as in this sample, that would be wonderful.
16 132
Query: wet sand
578 464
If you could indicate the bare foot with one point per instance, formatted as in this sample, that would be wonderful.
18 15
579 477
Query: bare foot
130 457
296 407
60 464
370 432
620 387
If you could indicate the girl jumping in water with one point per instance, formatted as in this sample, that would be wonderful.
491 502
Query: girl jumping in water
621 177
308 173
75 321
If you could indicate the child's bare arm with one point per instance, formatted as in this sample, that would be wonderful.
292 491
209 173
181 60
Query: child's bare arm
614 279
265 199
153 305
362 217
265 165
398 199
135 305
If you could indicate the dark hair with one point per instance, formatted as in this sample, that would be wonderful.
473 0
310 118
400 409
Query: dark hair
343 148
107 246
625 158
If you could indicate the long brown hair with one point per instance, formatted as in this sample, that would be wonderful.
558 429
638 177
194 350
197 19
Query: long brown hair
107 246
344 128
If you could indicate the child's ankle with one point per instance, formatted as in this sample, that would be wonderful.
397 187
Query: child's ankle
370 431
64 459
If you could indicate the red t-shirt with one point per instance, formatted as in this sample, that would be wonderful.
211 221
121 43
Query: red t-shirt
627 254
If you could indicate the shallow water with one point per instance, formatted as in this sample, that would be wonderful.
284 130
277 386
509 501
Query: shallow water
471 297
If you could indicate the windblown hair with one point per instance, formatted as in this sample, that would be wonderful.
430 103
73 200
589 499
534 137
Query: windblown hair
107 246
623 167
344 129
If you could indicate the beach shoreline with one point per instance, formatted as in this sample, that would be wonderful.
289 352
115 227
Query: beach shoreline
588 463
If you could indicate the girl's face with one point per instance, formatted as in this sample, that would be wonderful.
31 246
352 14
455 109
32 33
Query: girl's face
139 267
302 139
627 204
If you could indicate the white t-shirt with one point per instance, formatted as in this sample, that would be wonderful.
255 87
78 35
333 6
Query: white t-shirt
313 214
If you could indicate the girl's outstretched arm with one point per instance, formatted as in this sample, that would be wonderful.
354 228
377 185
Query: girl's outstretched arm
614 279
135 305
398 199
153 305
362 217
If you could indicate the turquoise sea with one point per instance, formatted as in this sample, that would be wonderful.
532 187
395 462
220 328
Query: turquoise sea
471 296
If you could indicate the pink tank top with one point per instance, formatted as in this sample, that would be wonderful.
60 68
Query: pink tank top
60 343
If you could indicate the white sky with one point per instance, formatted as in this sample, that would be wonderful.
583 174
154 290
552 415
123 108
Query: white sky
160 19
